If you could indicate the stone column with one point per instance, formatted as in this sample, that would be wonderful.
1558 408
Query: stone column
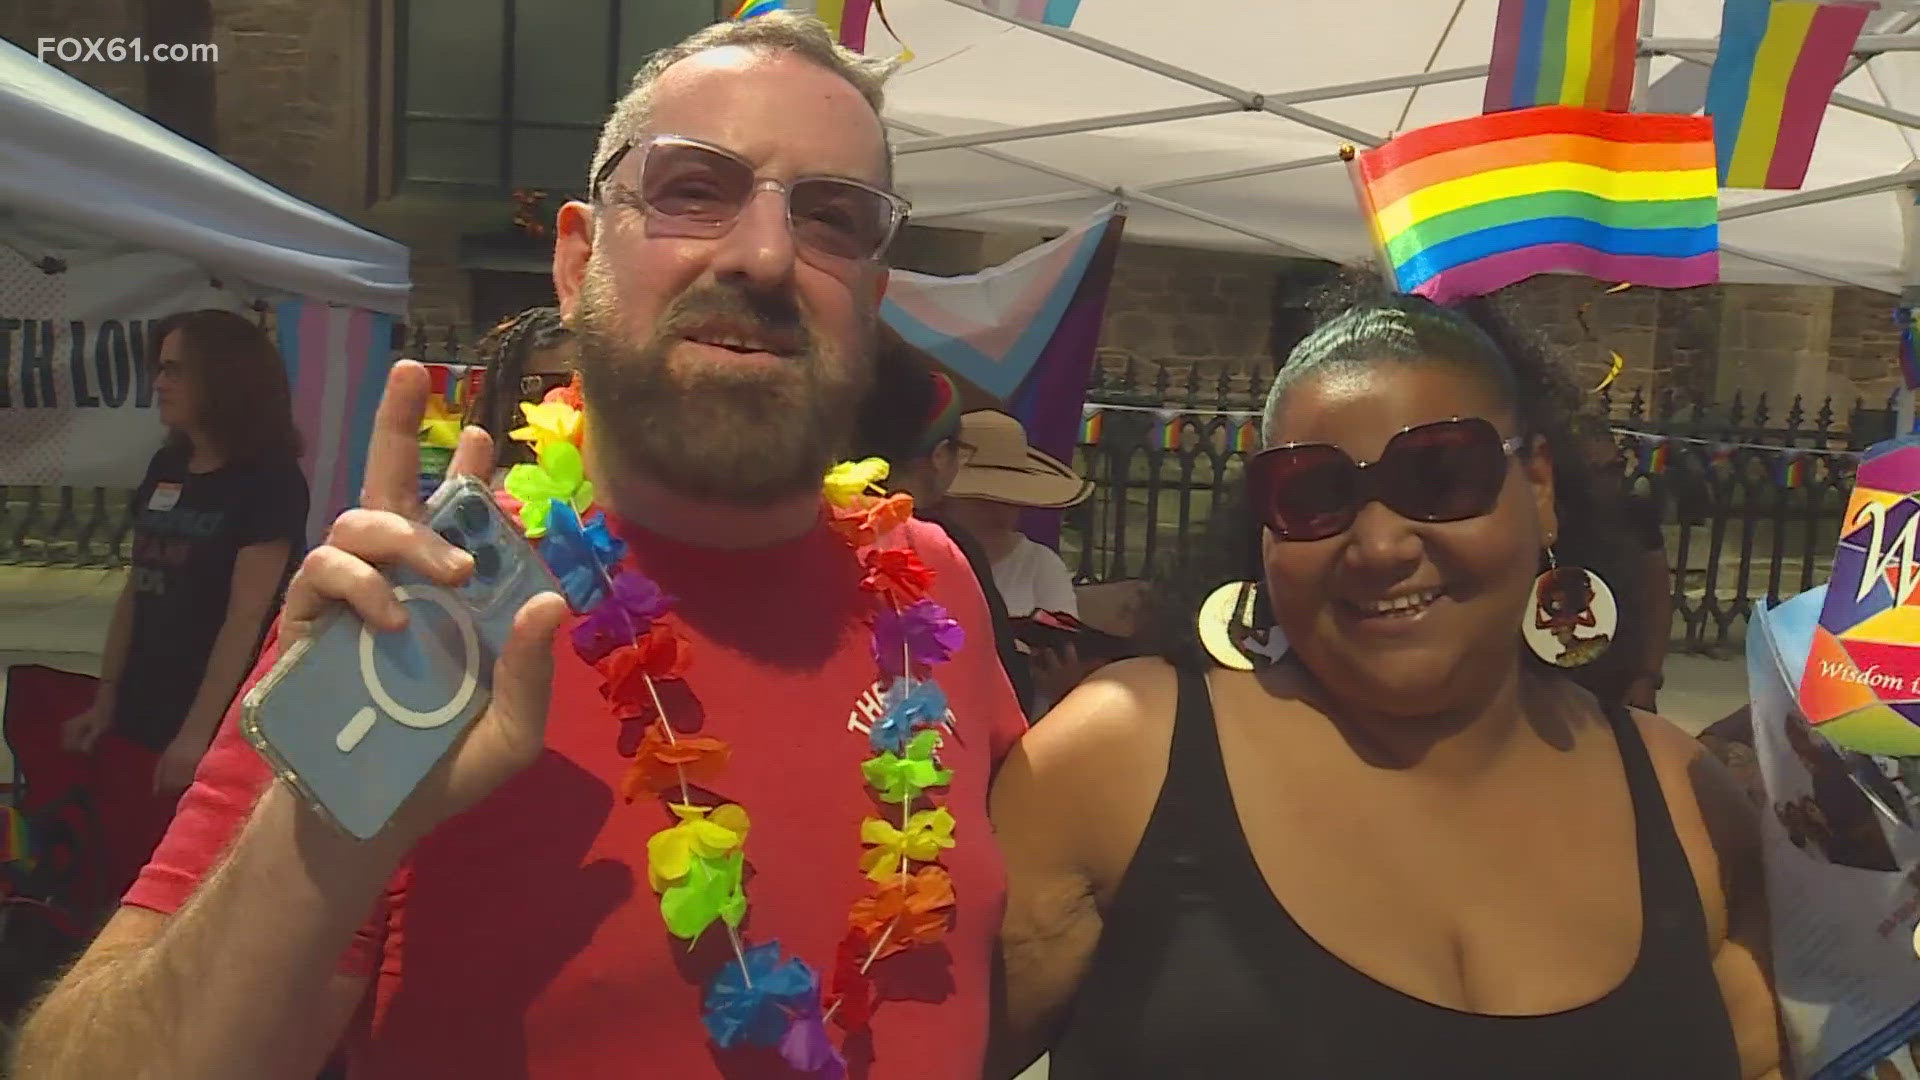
1774 340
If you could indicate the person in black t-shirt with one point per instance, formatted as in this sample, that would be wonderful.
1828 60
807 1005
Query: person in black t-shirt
218 525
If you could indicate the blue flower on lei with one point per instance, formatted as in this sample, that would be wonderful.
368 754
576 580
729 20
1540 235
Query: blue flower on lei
757 1006
582 556
909 706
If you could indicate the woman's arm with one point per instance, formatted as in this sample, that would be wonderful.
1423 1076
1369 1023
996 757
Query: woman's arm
1069 807
258 570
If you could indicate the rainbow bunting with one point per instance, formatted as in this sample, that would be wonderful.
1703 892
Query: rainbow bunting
1657 457
1247 439
1563 52
1470 206
1093 422
1772 78
1166 430
1793 469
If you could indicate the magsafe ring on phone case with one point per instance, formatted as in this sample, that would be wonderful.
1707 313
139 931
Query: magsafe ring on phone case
363 720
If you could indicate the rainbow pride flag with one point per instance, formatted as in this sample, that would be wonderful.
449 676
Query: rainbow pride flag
1563 52
1093 424
1470 206
1778 63
1167 430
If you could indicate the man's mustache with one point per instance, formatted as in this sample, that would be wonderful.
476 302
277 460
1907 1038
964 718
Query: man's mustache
769 319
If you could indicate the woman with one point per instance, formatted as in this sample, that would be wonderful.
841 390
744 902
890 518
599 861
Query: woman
218 525
1646 610
1406 848
525 356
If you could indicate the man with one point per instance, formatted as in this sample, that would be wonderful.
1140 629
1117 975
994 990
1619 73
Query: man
1650 604
912 420
723 302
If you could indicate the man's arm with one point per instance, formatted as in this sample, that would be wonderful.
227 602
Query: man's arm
242 982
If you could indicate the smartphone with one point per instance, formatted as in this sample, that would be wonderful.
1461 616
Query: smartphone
355 717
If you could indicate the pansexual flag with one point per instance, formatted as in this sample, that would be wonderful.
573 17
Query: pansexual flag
1772 79
1563 52
1470 206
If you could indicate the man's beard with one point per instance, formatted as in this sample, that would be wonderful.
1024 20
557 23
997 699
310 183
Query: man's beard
745 436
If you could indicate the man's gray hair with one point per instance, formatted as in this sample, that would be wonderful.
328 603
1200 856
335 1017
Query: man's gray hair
779 31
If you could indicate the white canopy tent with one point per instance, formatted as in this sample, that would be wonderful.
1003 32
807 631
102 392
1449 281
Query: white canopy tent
1219 122
72 156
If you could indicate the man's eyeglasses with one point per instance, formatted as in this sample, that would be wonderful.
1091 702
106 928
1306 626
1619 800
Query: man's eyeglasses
696 189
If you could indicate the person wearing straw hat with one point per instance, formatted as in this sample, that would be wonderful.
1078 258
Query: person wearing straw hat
1000 475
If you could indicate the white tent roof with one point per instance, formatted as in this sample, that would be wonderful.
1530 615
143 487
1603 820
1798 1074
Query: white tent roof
70 154
1220 168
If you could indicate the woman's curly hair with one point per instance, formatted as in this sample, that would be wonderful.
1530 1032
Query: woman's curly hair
1546 403
504 351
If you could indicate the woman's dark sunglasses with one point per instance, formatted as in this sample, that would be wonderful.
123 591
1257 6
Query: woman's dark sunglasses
695 189
1451 470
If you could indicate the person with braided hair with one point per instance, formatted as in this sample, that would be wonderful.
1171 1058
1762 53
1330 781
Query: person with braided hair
1402 846
525 355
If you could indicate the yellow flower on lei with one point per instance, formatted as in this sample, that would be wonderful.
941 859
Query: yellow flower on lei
849 480
928 833
548 422
703 832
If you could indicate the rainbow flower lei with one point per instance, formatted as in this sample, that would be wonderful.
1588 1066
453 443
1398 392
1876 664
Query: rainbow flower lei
697 863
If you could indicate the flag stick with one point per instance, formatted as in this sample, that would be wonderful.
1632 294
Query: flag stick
1351 155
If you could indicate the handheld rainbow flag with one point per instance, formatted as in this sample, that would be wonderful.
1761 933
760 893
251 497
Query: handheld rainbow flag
1563 52
1778 63
1470 206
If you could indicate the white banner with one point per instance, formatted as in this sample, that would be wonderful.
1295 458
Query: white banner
76 357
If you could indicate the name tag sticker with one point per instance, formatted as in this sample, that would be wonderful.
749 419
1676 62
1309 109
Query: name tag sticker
165 497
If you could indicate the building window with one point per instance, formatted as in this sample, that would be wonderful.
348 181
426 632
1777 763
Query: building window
494 95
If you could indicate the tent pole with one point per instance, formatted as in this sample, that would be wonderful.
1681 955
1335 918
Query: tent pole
1247 99
1144 198
1067 127
1643 67
1867 45
1185 112
1157 186
1845 101
1821 195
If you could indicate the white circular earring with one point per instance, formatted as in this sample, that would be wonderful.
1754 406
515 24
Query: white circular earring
1571 615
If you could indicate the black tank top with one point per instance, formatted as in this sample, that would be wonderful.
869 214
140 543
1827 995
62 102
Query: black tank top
1200 971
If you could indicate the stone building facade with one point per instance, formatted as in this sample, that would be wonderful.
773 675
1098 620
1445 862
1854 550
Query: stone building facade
305 100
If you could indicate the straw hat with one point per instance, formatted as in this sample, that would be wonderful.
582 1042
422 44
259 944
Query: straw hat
1000 467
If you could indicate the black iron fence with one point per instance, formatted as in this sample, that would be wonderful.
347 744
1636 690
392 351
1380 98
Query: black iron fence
1751 495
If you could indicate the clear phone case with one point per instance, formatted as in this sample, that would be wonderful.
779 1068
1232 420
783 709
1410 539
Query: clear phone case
355 718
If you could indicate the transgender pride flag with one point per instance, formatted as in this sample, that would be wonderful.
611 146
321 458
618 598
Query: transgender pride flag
337 360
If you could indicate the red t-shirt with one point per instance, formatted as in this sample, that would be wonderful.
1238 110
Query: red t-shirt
522 938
